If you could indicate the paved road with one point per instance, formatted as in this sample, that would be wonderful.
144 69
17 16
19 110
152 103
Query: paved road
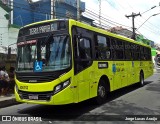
130 101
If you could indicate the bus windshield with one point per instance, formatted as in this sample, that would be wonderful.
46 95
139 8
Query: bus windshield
52 52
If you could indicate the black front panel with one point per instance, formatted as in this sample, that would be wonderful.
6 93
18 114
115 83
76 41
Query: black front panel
39 77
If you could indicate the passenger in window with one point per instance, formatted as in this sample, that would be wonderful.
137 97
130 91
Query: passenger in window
108 54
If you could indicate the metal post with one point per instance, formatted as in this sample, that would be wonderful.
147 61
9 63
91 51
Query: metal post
53 9
78 10
100 12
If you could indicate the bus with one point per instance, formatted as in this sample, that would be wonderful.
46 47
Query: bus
157 60
65 61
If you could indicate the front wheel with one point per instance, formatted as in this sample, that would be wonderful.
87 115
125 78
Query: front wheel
101 93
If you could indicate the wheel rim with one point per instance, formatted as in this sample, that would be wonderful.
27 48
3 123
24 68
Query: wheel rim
101 91
142 81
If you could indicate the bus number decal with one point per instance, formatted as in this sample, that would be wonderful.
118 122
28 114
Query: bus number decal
102 65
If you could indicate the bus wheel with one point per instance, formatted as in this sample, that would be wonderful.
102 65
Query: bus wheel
141 82
101 93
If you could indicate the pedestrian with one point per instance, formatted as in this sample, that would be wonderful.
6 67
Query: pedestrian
11 83
4 79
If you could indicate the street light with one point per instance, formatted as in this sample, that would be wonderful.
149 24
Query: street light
99 12
78 10
147 20
149 9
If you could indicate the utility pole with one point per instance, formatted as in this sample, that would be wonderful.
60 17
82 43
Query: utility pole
133 15
100 13
53 9
78 10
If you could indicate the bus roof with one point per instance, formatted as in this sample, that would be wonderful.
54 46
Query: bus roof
89 27
41 22
103 31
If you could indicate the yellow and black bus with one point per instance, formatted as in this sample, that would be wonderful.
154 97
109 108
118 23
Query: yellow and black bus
66 61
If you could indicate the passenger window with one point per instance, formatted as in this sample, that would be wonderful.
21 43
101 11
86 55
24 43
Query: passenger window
103 48
84 48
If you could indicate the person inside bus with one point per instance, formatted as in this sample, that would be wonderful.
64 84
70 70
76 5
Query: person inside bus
27 53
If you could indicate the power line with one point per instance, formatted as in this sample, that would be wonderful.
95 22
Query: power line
105 19
45 11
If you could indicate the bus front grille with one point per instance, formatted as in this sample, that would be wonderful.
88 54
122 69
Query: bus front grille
46 96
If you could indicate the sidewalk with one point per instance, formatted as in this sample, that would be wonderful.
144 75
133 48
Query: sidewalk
8 100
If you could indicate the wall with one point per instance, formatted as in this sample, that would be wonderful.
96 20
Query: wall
12 39
3 31
25 12
68 8
8 35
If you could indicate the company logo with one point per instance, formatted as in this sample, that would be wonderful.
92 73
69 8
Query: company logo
32 80
6 118
20 118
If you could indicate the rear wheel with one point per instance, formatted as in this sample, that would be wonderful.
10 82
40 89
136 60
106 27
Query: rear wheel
101 93
141 80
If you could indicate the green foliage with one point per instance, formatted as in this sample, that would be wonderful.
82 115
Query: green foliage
7 16
6 8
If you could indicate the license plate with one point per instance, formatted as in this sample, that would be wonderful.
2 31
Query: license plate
33 97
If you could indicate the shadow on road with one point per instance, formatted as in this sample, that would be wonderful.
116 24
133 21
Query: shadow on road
74 111
154 88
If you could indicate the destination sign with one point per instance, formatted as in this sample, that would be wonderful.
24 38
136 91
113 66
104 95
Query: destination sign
43 29
26 42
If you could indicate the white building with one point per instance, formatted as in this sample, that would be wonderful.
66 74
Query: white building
8 33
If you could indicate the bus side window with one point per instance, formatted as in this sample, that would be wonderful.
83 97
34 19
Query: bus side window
103 48
83 51
84 48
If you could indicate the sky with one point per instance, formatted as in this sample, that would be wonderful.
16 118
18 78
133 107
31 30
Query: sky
115 10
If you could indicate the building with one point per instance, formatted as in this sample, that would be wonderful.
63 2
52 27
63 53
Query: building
121 31
8 33
28 11
127 33
8 36
17 13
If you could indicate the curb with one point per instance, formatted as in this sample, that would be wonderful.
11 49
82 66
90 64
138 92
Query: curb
8 102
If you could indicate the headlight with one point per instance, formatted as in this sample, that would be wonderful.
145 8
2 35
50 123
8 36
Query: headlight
61 86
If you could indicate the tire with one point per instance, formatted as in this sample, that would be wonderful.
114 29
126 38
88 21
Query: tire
101 93
141 80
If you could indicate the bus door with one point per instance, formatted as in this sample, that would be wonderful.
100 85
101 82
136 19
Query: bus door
83 68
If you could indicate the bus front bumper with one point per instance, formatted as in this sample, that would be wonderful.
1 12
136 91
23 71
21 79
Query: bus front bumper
46 98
